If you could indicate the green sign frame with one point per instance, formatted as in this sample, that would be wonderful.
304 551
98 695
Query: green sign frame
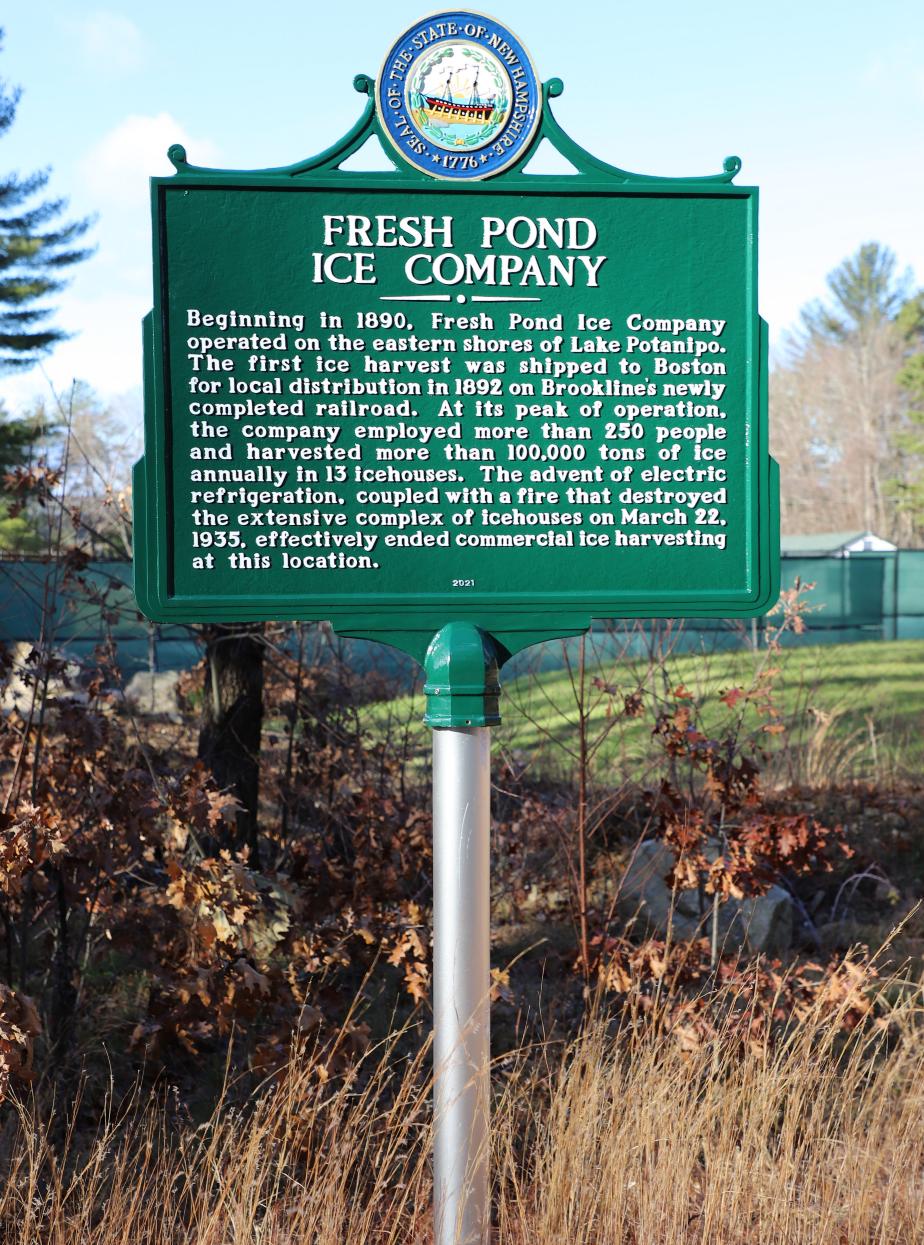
408 618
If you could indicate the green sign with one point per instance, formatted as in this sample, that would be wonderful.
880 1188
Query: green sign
454 392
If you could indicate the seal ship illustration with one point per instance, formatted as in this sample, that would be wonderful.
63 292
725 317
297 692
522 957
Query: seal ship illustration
445 108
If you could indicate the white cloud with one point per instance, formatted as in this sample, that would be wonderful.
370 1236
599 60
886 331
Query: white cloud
105 350
894 73
110 41
874 71
113 290
116 171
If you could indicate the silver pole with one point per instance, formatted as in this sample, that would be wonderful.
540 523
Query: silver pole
461 983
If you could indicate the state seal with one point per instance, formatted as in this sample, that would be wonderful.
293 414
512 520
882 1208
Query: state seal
458 97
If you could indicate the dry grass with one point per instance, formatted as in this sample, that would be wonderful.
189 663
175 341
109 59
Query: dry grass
620 1140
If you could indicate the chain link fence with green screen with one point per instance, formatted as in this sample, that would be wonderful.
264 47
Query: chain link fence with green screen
866 596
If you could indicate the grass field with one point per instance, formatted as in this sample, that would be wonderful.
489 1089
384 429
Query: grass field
850 711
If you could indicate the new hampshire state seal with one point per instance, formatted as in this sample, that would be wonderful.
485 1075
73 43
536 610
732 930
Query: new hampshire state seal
458 97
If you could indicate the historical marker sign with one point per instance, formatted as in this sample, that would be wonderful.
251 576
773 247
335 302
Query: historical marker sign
459 403
458 391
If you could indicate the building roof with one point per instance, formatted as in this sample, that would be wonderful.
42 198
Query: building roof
827 543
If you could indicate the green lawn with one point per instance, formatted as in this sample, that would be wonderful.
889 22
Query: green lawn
850 711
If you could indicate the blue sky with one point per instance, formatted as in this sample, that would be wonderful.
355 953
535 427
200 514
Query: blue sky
823 101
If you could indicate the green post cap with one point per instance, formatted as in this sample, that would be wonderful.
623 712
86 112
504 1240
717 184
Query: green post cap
462 687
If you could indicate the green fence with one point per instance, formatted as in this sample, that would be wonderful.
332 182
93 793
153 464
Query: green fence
79 609
868 596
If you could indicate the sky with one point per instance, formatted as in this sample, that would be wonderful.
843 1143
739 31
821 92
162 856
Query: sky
823 102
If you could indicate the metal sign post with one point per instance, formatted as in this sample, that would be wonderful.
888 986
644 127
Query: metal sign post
461 982
462 691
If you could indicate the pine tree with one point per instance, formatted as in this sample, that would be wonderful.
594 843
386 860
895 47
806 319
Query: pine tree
865 291
17 438
36 250
838 408
907 489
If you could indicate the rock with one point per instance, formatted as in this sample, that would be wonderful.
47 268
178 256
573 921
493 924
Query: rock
762 924
154 695
19 691
765 922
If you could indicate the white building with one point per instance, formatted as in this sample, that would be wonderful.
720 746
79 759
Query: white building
833 544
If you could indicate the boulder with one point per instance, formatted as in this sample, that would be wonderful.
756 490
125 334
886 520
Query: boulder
154 695
763 924
18 692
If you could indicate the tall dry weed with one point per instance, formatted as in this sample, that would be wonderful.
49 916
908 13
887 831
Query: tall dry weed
622 1138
